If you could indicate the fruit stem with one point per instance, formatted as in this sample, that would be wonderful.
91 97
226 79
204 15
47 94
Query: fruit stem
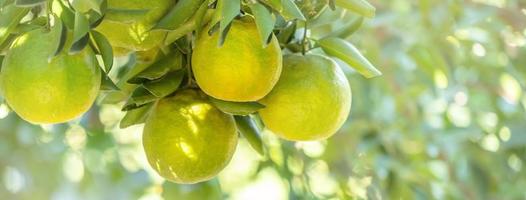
304 39
189 60
49 11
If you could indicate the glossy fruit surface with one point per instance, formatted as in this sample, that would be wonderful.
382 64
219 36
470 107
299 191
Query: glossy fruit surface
311 100
44 89
187 139
240 70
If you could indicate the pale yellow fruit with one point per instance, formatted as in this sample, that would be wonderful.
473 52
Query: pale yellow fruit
311 100
240 70
187 139
45 92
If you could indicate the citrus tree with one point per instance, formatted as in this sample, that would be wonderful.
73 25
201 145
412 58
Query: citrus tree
195 72
445 121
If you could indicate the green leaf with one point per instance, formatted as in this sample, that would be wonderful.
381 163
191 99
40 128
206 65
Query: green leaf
202 16
104 47
80 33
67 15
87 5
248 129
166 85
236 108
360 7
10 17
124 15
291 11
139 97
179 14
136 116
63 34
274 4
79 45
25 27
345 51
107 83
4 47
348 29
264 21
223 34
94 19
285 35
171 62
28 3
226 11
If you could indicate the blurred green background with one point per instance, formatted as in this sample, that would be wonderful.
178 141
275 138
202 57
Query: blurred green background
447 120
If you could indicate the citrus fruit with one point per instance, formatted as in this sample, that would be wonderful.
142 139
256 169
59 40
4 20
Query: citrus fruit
127 23
187 139
242 69
54 91
311 100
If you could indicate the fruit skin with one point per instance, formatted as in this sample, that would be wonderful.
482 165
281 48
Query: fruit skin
311 100
188 140
132 31
43 92
242 69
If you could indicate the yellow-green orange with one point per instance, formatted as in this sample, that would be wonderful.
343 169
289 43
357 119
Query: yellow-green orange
311 100
128 22
187 139
48 92
242 69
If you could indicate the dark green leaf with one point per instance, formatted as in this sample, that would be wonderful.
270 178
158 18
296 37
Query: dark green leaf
104 47
139 97
285 35
10 17
166 85
136 116
223 34
79 45
237 108
63 34
80 33
249 130
179 14
94 19
28 3
107 83
345 51
264 21
361 7
158 69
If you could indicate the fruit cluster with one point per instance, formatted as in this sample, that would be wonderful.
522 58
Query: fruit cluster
235 76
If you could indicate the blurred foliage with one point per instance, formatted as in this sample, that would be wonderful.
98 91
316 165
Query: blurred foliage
445 121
